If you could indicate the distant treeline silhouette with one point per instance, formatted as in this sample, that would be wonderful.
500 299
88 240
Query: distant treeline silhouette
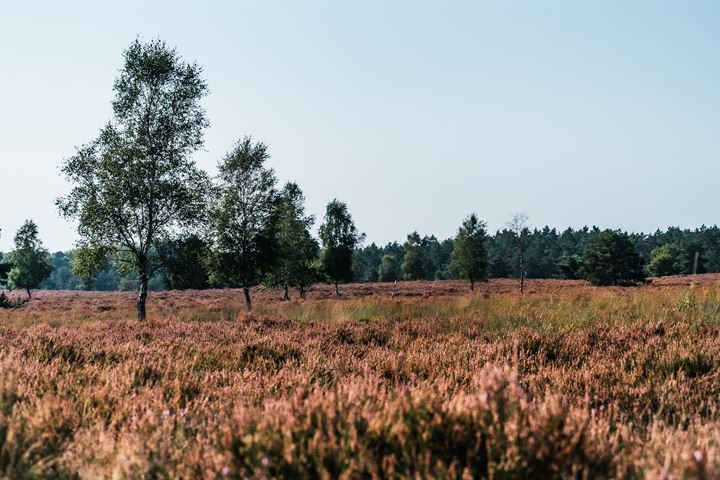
550 254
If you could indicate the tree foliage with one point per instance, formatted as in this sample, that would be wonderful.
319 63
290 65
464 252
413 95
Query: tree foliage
88 261
666 260
388 270
613 260
184 263
135 184
413 265
243 219
30 261
339 237
298 251
469 254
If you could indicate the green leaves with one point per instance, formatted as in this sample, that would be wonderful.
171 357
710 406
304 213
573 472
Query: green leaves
339 237
243 217
135 185
469 255
30 261
612 260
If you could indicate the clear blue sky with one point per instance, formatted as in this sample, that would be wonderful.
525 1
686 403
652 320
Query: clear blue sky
414 114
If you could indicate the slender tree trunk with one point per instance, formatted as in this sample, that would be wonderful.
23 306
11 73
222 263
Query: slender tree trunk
286 293
248 302
337 291
695 261
142 296
472 285
29 294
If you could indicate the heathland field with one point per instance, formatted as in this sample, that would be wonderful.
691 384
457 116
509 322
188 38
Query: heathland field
566 381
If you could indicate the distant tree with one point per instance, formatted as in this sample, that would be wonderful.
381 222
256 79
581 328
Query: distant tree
570 267
243 219
613 260
469 254
665 260
366 262
30 261
388 270
135 185
87 263
61 277
413 265
437 258
339 237
298 251
501 254
521 235
183 263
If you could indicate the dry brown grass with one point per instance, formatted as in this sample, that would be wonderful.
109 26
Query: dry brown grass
566 382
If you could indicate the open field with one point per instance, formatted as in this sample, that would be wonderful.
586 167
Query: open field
568 381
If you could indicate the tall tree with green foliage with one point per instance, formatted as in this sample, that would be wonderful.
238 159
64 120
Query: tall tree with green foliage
613 260
413 265
339 237
298 251
388 270
136 185
470 251
30 261
243 219
666 260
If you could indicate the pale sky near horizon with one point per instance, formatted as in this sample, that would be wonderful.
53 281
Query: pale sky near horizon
415 114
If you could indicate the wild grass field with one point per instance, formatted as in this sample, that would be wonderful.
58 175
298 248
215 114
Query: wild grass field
566 381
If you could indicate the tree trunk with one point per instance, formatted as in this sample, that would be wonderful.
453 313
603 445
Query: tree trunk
29 294
248 302
695 261
286 293
337 291
472 285
142 296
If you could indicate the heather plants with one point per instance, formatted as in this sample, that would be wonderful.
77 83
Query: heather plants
565 381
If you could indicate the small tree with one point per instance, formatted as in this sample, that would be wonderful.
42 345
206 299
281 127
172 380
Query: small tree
339 238
135 185
666 260
388 269
613 260
521 234
30 261
413 265
88 261
297 249
470 252
243 219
